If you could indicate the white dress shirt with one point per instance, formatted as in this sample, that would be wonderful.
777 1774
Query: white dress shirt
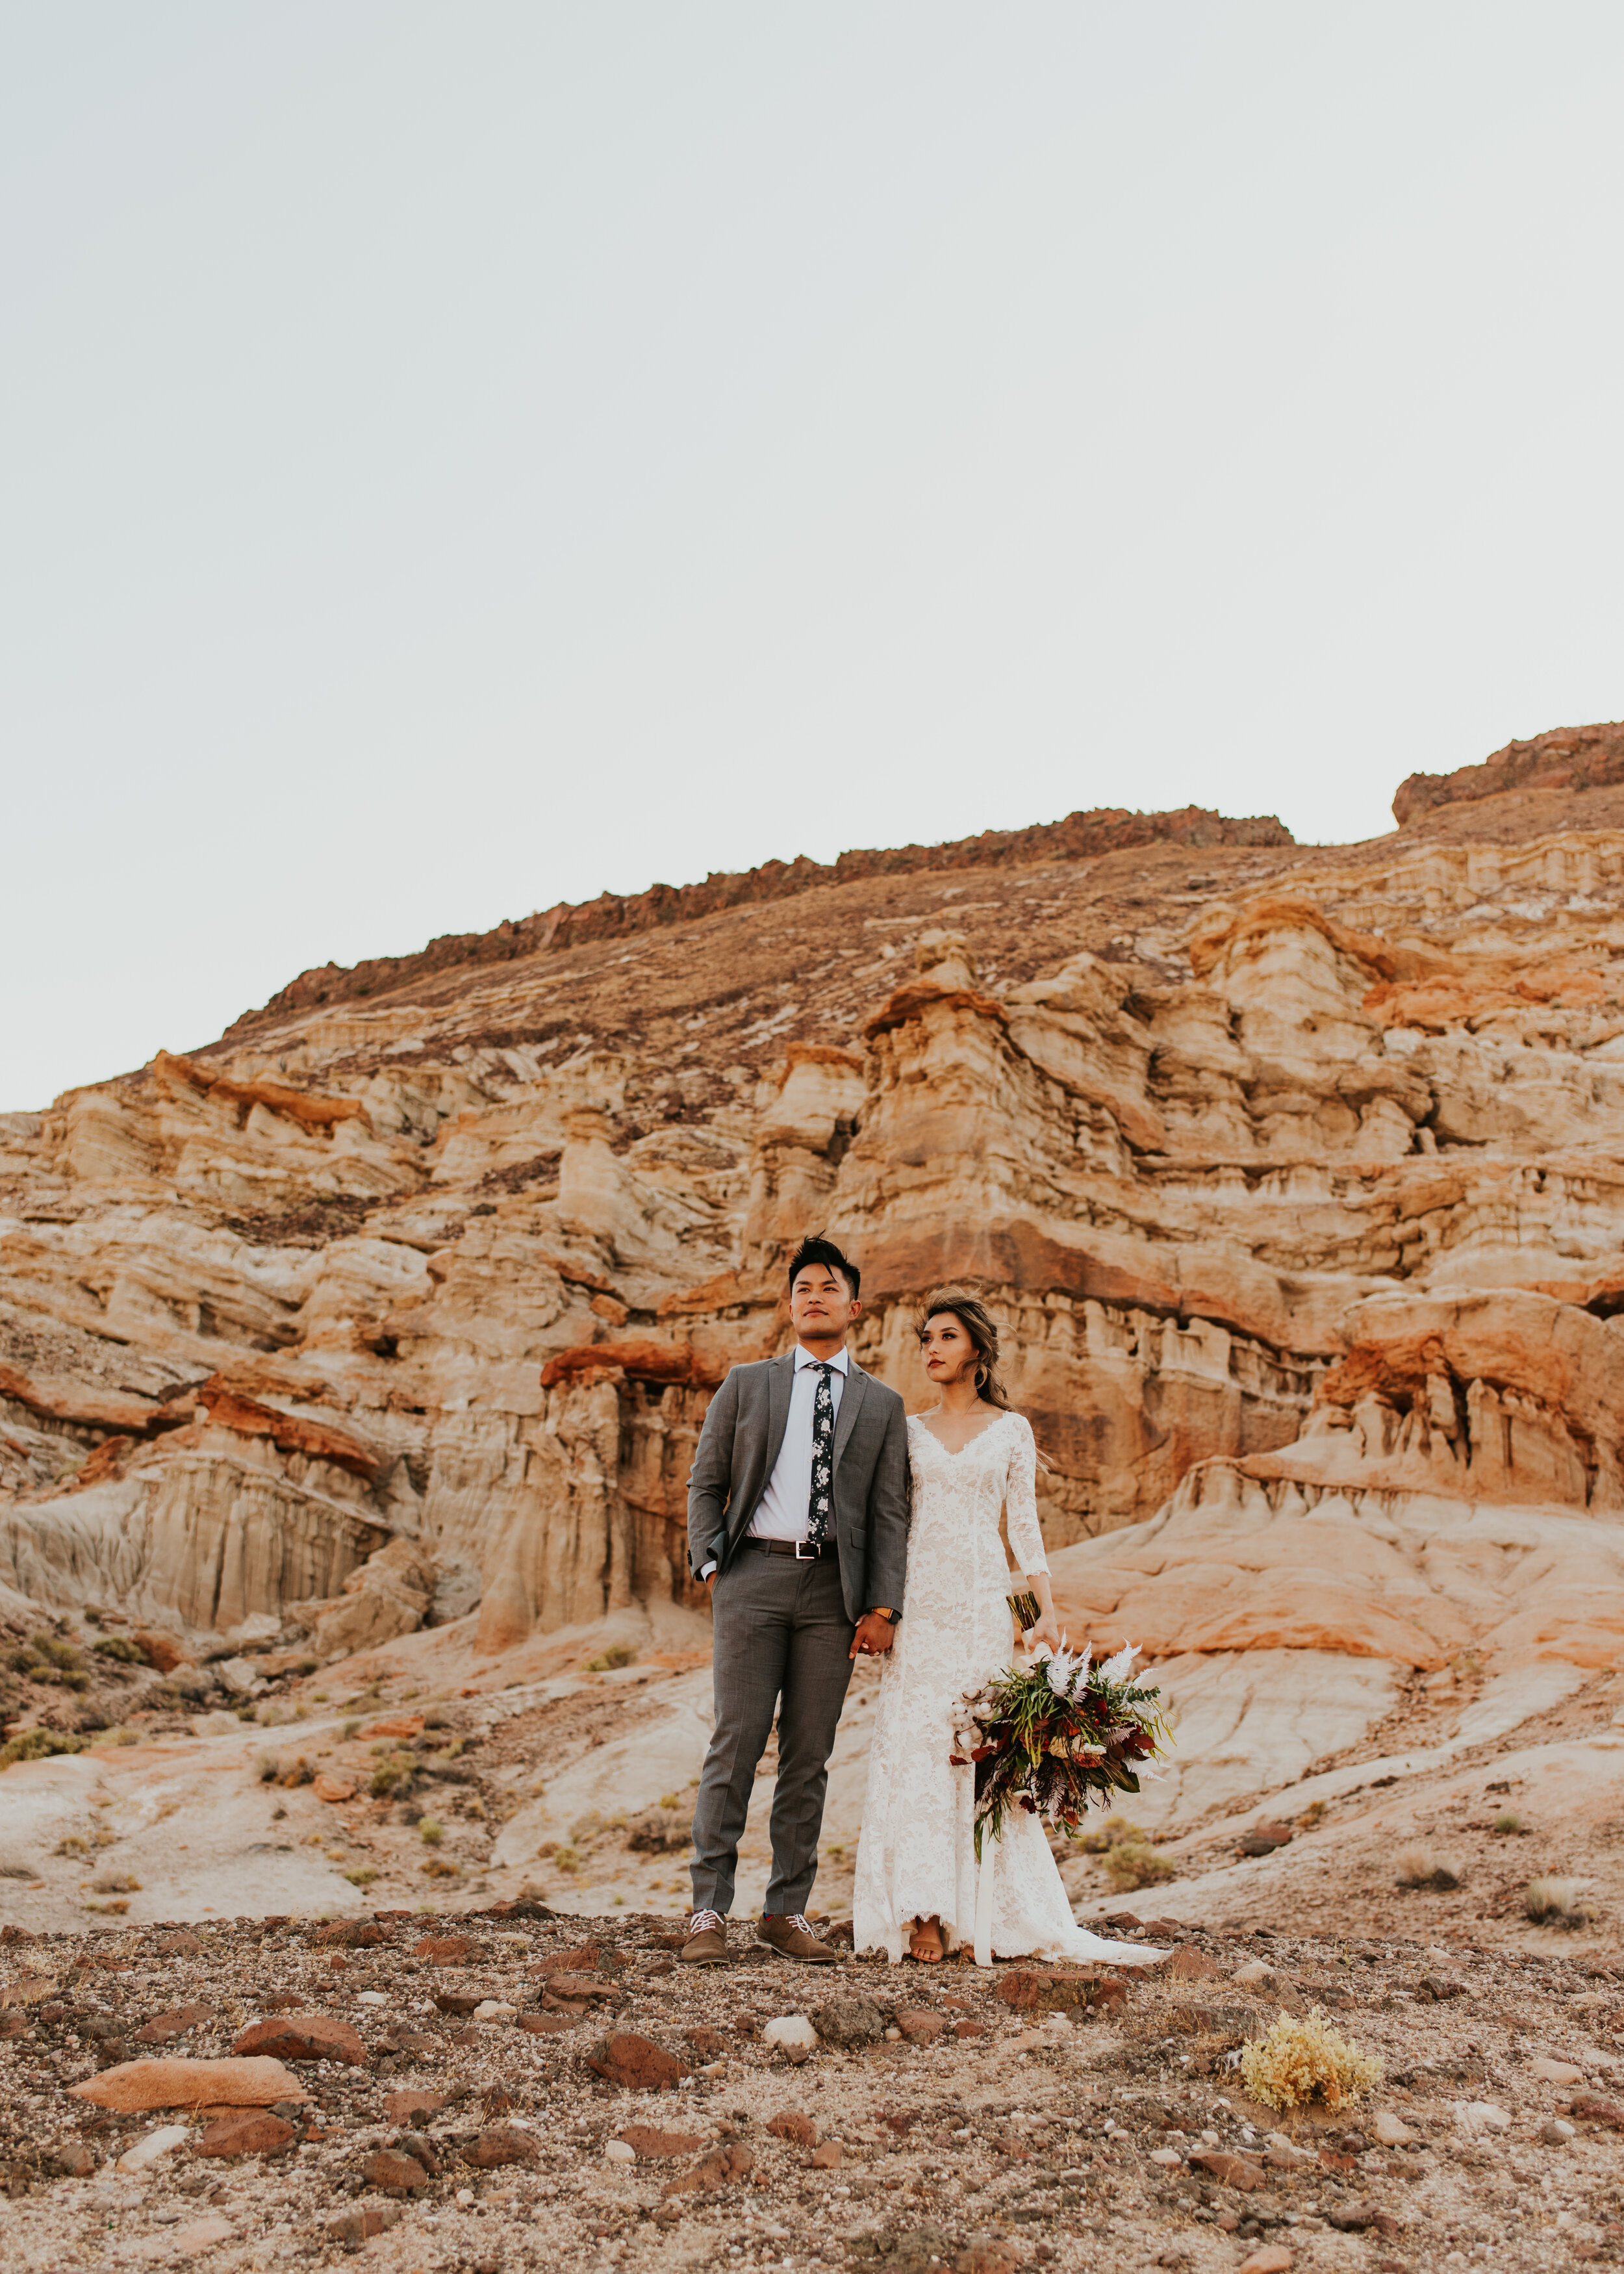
784 1512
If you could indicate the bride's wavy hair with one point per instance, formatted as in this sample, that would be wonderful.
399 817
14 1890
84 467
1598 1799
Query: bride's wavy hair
977 1321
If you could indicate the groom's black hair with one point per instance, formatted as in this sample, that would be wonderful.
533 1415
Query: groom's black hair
825 1251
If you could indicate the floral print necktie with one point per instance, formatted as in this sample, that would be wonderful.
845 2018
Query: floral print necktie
822 1457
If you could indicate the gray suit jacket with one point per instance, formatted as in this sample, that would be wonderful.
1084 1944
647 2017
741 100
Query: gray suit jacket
739 1447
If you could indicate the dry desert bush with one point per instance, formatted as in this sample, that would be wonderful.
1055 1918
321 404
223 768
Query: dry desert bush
1302 2060
1417 1866
1555 1903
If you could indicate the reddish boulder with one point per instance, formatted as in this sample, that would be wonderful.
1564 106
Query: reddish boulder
1230 2171
637 2063
349 2227
303 2037
443 1949
411 2107
250 2132
500 2143
352 1934
1189 1964
1029 1991
395 2174
162 2027
920 2026
648 2143
789 2124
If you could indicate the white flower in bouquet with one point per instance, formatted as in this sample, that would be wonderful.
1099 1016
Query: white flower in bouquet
1118 1668
1062 1669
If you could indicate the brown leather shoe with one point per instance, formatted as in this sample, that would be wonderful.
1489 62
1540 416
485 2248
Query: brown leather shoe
792 1937
707 1940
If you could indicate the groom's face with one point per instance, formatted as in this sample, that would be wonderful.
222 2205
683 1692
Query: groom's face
821 1308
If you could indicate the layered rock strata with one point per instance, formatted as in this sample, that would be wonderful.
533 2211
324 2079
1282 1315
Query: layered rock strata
1294 1178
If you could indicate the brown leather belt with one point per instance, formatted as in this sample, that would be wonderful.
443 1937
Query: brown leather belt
804 1551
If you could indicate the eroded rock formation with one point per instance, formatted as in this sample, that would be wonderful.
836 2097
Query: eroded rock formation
1294 1179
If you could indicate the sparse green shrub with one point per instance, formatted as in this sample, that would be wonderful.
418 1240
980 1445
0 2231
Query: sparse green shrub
37 1745
618 1655
362 1875
120 1648
1109 1834
1135 1864
115 1883
268 1768
57 1652
429 1833
1302 2060
1507 1822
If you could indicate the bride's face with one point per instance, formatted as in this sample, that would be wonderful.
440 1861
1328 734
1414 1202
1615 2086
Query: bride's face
947 1350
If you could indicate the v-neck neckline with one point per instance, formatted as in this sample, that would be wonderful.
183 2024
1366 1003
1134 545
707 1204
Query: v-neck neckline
948 1451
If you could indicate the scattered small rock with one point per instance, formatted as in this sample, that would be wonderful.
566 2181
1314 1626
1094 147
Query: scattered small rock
162 2027
717 2170
443 1949
353 2227
500 2143
148 2151
648 2144
1592 2111
308 2037
1189 1964
637 2063
790 2125
248 2131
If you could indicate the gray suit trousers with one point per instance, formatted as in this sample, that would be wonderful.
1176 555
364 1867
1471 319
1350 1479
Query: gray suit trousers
782 1633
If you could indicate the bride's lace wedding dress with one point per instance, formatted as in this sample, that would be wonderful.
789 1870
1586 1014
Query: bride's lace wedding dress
916 1854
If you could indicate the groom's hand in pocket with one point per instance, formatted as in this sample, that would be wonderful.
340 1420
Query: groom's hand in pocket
874 1636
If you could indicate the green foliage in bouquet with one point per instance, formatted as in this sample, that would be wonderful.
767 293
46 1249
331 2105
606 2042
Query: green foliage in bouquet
1049 1739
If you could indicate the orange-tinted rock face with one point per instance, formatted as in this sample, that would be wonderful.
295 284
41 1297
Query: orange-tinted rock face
1289 1173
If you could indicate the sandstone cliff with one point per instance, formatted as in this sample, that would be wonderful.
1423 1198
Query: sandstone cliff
1293 1172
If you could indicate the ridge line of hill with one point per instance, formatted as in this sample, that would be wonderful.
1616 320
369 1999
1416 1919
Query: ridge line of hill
1080 836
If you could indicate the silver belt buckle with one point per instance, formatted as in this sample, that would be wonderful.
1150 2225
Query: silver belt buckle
808 1551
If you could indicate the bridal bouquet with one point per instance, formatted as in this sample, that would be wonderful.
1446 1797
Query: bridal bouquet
1047 1739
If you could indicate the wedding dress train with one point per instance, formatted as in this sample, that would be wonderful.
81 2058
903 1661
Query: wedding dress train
916 1851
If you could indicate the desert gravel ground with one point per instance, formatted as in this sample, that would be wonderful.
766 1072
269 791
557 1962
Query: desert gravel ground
944 2116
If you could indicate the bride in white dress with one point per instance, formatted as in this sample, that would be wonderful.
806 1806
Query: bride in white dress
917 1878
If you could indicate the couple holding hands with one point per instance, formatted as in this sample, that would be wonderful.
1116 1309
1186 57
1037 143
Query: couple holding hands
826 1524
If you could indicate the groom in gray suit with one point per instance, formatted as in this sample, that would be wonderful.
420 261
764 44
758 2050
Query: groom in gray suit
798 1525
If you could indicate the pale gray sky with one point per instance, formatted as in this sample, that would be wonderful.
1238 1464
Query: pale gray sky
458 457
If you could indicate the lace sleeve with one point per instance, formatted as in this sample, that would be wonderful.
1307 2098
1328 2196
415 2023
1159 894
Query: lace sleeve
1020 1502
